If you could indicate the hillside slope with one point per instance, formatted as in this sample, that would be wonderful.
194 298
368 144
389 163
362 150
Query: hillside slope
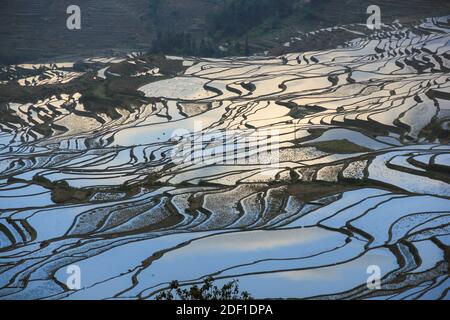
36 29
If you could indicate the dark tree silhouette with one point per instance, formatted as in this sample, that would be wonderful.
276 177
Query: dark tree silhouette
207 291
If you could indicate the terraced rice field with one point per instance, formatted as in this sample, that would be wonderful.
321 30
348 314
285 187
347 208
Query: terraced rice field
292 174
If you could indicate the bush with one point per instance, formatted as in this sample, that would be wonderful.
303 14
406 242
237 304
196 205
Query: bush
207 291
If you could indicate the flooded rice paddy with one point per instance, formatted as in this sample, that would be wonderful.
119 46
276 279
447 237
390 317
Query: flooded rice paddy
318 165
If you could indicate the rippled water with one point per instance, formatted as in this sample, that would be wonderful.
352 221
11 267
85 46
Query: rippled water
353 173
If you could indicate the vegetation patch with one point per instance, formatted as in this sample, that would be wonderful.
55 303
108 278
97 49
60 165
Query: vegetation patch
339 146
435 131
62 192
208 291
